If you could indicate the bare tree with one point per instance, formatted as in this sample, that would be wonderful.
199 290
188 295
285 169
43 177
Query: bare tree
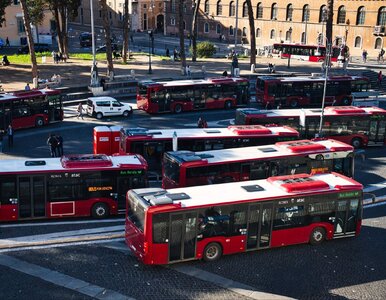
28 32
106 27
125 31
3 5
181 34
252 35
194 30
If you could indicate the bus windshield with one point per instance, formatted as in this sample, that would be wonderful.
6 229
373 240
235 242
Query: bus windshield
136 211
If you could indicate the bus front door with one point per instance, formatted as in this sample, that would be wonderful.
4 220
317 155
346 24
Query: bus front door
163 99
377 132
346 217
32 196
259 226
183 233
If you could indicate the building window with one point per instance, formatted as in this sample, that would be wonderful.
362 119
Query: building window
172 21
20 25
232 9
274 11
358 42
206 27
341 15
231 31
303 41
259 11
323 14
245 10
289 12
258 33
306 13
120 16
319 39
100 14
378 43
288 35
173 6
219 8
218 28
272 35
184 8
206 7
184 24
381 20
15 2
244 31
361 15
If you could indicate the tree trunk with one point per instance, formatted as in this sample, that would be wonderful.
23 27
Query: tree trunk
252 35
28 32
194 31
58 27
64 36
106 27
181 34
125 32
329 21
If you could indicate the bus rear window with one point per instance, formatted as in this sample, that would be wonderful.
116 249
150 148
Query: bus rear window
142 90
136 212
172 169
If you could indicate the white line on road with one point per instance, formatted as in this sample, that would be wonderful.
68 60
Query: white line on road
374 187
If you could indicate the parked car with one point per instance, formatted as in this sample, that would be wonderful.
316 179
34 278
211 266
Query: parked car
114 47
104 106
85 39
39 47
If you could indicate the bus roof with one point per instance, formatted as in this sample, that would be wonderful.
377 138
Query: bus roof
26 94
298 185
230 131
72 163
186 82
280 149
314 77
328 111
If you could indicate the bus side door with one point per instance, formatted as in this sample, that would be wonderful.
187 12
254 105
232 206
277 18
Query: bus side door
259 226
377 132
346 217
32 196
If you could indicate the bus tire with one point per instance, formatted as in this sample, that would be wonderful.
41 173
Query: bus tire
212 252
39 122
318 235
126 113
178 108
99 115
294 103
100 210
228 105
356 143
345 101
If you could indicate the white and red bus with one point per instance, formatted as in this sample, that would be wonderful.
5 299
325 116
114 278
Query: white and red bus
293 92
358 126
187 95
205 222
314 53
70 186
152 144
34 108
188 168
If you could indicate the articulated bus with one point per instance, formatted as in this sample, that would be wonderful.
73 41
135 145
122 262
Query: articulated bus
358 126
70 186
188 168
152 144
187 95
205 222
34 108
293 92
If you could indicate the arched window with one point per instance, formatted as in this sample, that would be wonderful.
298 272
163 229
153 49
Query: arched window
244 31
218 28
232 9
381 20
259 11
323 14
288 35
273 34
206 7
289 12
378 43
306 13
206 27
231 31
358 42
341 15
172 21
319 39
361 15
304 38
274 11
245 10
258 33
219 8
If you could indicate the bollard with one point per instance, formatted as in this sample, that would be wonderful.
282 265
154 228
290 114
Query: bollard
252 68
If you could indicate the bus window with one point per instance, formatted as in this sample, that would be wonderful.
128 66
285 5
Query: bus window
7 190
343 165
160 228
289 217
214 221
259 170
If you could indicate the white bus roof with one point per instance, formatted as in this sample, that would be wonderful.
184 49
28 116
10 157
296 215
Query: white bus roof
299 185
230 131
185 82
280 149
69 163
314 77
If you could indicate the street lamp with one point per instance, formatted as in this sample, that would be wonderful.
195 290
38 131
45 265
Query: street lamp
94 69
150 41
289 54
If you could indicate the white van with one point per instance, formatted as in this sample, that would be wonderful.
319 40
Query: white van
100 107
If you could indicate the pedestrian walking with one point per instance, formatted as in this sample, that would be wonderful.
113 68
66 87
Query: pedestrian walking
52 143
60 145
167 53
80 110
201 123
364 55
379 80
10 136
27 87
380 56
188 72
7 42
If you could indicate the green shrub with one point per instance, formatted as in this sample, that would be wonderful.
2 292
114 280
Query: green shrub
205 49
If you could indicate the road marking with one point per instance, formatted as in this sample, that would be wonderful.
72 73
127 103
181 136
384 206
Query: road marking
374 187
60 279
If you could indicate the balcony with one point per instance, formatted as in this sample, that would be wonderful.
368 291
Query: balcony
379 30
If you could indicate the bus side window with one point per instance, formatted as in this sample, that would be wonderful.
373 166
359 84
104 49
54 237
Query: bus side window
160 228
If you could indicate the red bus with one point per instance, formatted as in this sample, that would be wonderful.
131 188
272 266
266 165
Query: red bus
315 53
293 92
152 144
187 95
205 222
188 168
70 186
32 108
358 126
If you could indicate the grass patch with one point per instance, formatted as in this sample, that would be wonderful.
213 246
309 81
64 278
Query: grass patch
23 59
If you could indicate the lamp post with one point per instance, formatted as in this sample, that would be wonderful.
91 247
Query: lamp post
150 42
289 54
94 69
237 22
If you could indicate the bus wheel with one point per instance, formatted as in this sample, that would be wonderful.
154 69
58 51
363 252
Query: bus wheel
228 105
39 122
178 108
318 235
99 115
212 252
345 101
356 143
100 210
294 103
